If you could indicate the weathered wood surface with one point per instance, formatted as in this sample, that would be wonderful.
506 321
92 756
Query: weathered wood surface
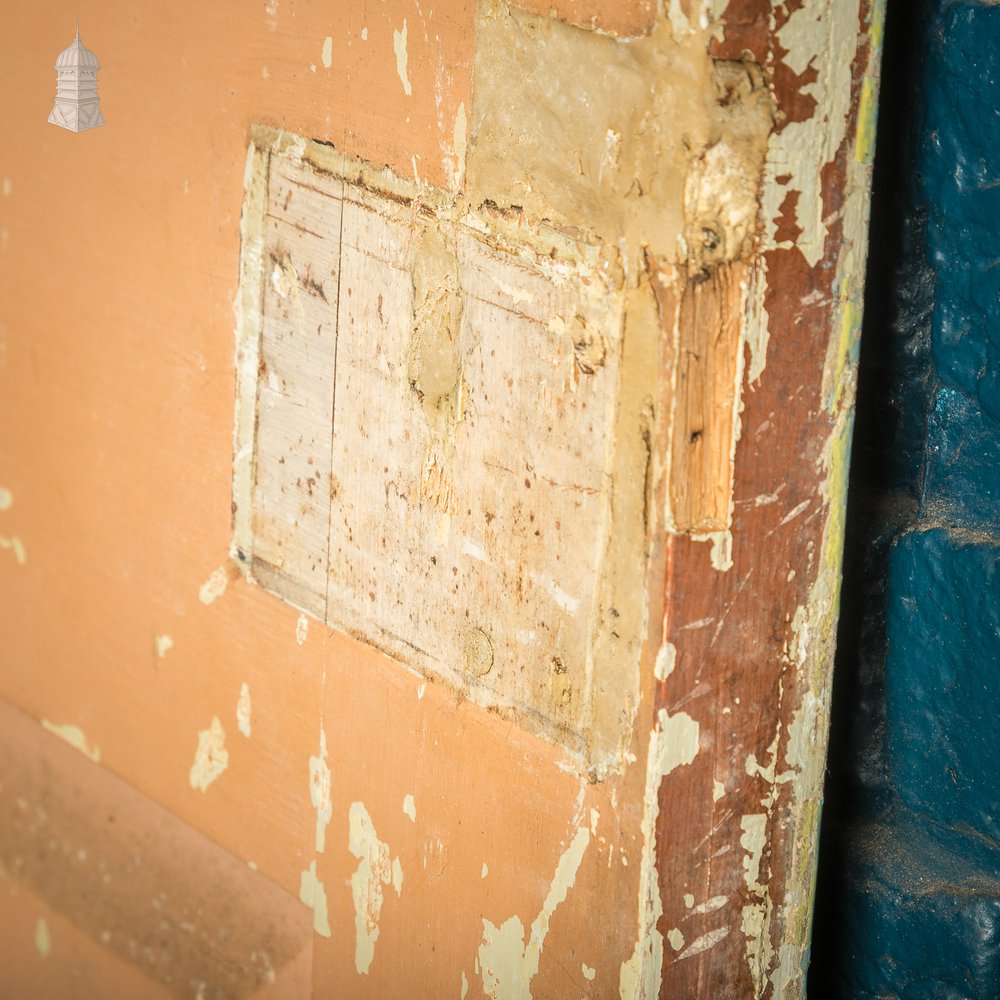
368 797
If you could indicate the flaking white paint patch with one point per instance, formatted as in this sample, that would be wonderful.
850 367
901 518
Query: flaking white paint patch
301 629
673 742
43 939
666 660
327 54
756 917
75 737
319 792
244 711
211 758
6 499
214 587
506 963
402 57
374 871
703 943
820 37
675 938
710 905
313 894
588 972
163 644
409 807
459 143
485 871
465 986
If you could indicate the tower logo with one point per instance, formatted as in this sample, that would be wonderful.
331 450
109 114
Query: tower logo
77 107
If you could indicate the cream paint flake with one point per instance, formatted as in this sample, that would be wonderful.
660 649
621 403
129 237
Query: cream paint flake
244 711
313 894
588 972
402 57
674 742
301 629
409 807
327 54
465 986
75 737
319 792
163 644
822 37
16 546
214 587
6 499
506 963
666 659
211 758
43 939
374 871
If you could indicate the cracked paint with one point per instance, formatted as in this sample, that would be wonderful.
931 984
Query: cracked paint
507 964
402 57
374 871
319 792
211 758
313 894
673 743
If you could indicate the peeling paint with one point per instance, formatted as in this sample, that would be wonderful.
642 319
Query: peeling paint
703 943
588 972
211 758
163 644
673 742
465 986
485 871
410 808
313 894
301 629
374 871
16 546
214 587
43 939
820 39
75 737
675 938
244 711
327 54
319 792
666 659
507 965
402 57
6 499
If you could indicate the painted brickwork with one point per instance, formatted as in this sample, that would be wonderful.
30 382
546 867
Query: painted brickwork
909 905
